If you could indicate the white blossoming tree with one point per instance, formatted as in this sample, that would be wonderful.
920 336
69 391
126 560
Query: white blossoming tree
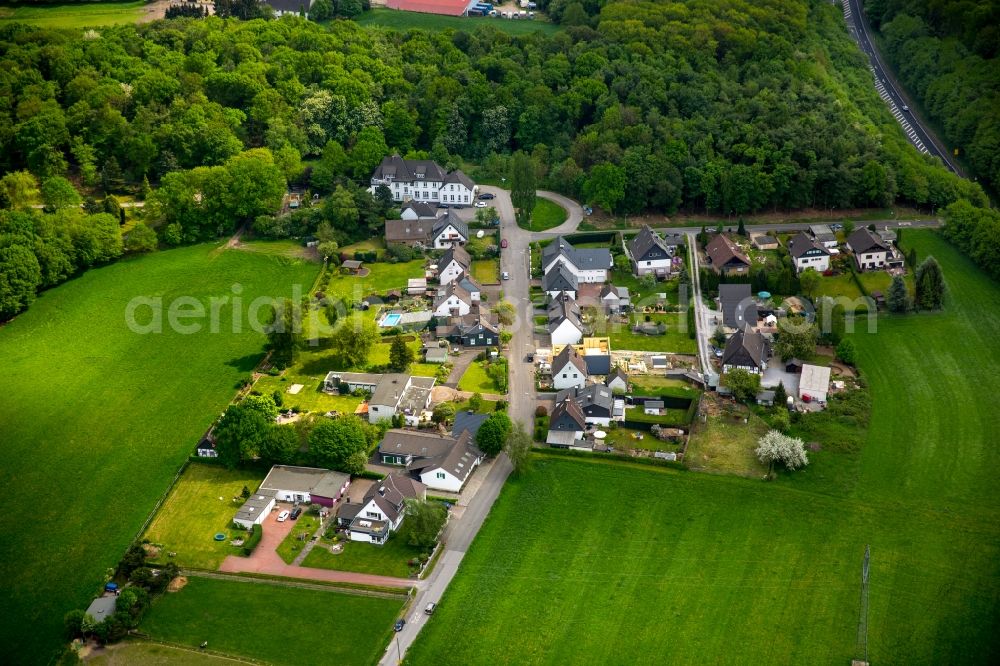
777 448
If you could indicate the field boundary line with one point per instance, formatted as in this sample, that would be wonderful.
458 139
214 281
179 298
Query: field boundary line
141 638
289 582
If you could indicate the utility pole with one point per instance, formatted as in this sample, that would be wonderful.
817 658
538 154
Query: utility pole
862 647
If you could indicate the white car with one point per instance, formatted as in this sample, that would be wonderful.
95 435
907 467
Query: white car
480 204
283 516
505 275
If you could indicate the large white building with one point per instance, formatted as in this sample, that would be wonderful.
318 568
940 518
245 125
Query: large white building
586 264
423 180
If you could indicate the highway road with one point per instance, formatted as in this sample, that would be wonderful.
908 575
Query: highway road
889 89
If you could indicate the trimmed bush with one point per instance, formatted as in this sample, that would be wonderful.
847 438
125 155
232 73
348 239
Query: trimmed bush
256 534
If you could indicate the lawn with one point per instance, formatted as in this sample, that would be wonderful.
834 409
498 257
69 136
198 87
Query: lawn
674 341
281 625
657 385
74 15
475 379
383 276
718 561
726 445
624 439
389 559
107 416
139 653
199 506
836 286
291 546
547 214
486 271
403 20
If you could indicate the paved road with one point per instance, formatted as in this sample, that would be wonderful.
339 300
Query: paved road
889 89
573 209
704 331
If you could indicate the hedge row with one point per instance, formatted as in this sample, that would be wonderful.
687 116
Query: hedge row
256 534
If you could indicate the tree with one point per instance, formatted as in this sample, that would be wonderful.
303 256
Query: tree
133 558
18 190
622 264
141 238
58 193
518 448
898 298
240 433
476 401
73 624
20 277
321 10
809 280
280 445
493 433
605 186
796 338
719 337
846 351
284 332
400 355
255 185
741 229
353 340
333 442
424 521
743 384
780 395
504 311
930 285
368 151
505 338
443 412
774 447
522 188
401 129
848 227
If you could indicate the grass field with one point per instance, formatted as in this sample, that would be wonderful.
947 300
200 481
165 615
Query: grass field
199 506
381 278
698 568
389 559
105 417
137 653
475 379
281 625
726 445
547 214
675 340
74 15
291 546
402 20
486 271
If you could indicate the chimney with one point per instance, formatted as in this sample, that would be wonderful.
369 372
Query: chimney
381 491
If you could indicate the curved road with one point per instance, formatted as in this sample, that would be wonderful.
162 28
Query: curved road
574 213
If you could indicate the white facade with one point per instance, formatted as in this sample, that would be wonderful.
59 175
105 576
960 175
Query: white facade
871 260
456 193
819 264
451 272
653 265
451 306
440 479
566 334
597 420
447 237
258 516
586 275
555 293
618 384
380 412
569 376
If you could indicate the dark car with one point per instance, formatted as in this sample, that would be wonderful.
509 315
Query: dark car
442 205
400 623
487 196
296 512
503 243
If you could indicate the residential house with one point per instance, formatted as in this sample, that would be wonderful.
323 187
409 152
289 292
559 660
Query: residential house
304 485
565 323
745 350
440 462
412 232
823 235
568 369
587 264
468 421
617 381
452 301
560 280
615 299
808 253
453 264
400 394
255 509
479 328
595 401
762 242
449 230
418 210
651 253
725 256
434 352
353 381
871 253
380 512
423 181
466 282
567 424
738 306
814 382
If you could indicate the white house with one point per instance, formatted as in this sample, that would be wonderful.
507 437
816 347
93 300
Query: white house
808 253
449 230
453 301
870 251
423 180
418 210
304 485
564 322
814 382
440 462
455 262
255 509
615 299
400 394
380 512
588 265
569 370
559 280
650 253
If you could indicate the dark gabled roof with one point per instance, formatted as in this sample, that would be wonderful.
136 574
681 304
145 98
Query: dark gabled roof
801 243
399 231
568 356
421 208
615 373
289 5
400 170
596 395
568 409
721 251
731 296
745 345
863 240
457 176
414 443
822 232
458 458
450 217
467 283
583 259
646 240
459 326
457 253
561 309
621 292
559 279
470 421
392 492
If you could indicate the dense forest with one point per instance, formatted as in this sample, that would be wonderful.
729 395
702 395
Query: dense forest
721 106
947 53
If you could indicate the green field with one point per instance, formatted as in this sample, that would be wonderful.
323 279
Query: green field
403 20
675 340
105 417
381 277
137 653
699 568
74 15
281 625
200 505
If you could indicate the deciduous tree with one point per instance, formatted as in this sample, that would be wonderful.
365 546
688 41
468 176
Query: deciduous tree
742 383
424 521
493 433
333 442
774 447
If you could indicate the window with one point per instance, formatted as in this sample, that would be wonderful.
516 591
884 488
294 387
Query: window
373 514
440 475
564 375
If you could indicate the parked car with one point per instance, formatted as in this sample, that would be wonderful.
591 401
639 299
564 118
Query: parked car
906 108
430 608
296 512
486 196
836 227
530 358
442 205
480 204
400 623
505 275
503 243
283 516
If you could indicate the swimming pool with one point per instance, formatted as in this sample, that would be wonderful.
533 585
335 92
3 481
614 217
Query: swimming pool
390 320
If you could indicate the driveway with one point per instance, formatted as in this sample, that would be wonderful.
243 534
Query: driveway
775 375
